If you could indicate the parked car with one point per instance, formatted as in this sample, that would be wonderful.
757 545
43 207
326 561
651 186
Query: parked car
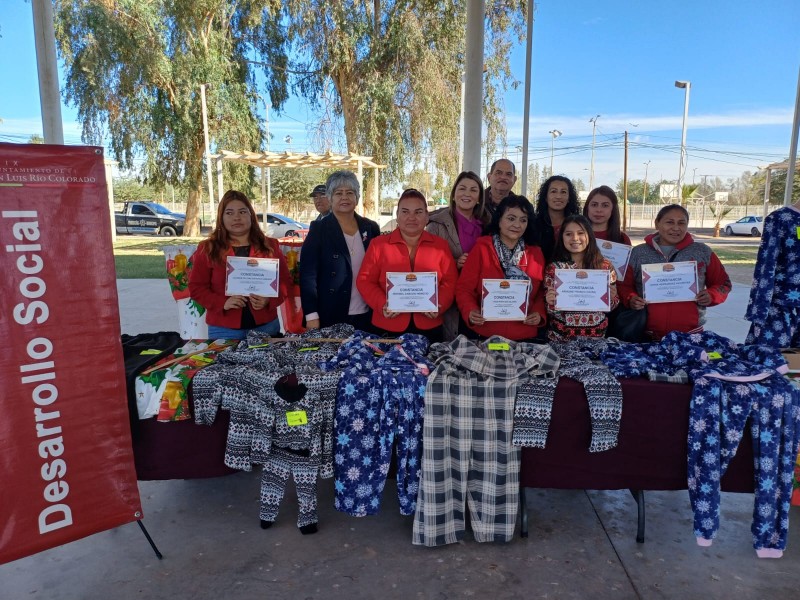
749 225
148 217
280 225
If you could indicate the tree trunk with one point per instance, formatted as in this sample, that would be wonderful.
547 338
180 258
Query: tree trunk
195 180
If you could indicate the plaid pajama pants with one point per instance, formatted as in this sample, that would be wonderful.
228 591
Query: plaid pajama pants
468 460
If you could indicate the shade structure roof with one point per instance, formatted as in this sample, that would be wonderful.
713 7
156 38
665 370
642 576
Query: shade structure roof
297 160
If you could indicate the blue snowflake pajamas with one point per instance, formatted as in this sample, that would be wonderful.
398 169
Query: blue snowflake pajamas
731 383
380 401
774 307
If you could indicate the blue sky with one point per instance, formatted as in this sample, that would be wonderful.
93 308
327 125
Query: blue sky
615 58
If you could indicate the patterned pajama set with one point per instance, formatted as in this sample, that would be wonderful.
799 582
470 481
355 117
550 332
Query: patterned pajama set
534 405
468 457
381 398
281 407
731 384
774 307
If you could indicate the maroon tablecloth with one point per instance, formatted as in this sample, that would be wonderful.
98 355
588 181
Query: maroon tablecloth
652 449
181 449
651 454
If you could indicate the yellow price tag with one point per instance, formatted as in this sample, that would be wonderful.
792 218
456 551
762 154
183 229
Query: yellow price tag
499 346
201 358
309 349
798 233
296 417
151 351
714 356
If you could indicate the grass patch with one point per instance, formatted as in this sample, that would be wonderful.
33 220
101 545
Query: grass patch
731 255
140 257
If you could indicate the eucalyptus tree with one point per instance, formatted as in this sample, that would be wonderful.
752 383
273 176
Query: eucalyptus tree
134 70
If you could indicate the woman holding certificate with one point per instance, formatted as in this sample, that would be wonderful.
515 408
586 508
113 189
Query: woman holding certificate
577 259
557 200
332 255
408 277
221 286
500 291
460 225
673 276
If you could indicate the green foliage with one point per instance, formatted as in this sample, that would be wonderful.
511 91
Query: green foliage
636 191
291 187
395 78
134 70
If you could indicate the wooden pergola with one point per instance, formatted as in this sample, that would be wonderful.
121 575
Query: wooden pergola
292 160
778 166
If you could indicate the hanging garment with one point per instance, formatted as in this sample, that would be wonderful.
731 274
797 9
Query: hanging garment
603 392
468 457
774 306
380 401
732 383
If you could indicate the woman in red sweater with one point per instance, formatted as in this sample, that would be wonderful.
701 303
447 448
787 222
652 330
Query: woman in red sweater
236 234
509 252
602 210
409 248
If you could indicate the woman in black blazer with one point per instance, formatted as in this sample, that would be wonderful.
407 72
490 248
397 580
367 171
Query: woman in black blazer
331 256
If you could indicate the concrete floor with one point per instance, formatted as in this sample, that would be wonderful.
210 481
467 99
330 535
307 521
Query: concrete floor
581 545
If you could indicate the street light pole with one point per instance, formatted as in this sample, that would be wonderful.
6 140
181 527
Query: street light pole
644 194
593 121
687 86
555 133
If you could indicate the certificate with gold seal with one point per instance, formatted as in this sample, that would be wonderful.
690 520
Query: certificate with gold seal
505 299
247 275
583 290
412 292
670 282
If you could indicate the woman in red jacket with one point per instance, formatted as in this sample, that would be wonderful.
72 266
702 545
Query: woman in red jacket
509 252
236 234
409 248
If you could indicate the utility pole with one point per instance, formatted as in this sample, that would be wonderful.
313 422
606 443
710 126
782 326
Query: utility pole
644 195
624 187
212 214
593 121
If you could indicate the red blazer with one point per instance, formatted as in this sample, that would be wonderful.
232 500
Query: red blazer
483 263
207 287
390 253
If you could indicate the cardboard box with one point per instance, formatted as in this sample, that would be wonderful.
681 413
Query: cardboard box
792 356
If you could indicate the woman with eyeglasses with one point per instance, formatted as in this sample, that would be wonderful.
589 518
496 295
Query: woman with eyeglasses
460 225
510 251
331 257
408 249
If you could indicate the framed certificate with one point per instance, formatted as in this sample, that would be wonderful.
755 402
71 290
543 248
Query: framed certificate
617 254
670 282
412 292
250 275
583 290
505 299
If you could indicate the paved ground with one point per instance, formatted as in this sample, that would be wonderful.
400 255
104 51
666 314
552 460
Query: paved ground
582 543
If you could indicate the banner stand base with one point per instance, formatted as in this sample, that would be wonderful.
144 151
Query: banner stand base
149 539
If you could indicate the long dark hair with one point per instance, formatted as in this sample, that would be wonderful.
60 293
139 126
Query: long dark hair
614 222
478 211
219 241
531 234
572 207
592 257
